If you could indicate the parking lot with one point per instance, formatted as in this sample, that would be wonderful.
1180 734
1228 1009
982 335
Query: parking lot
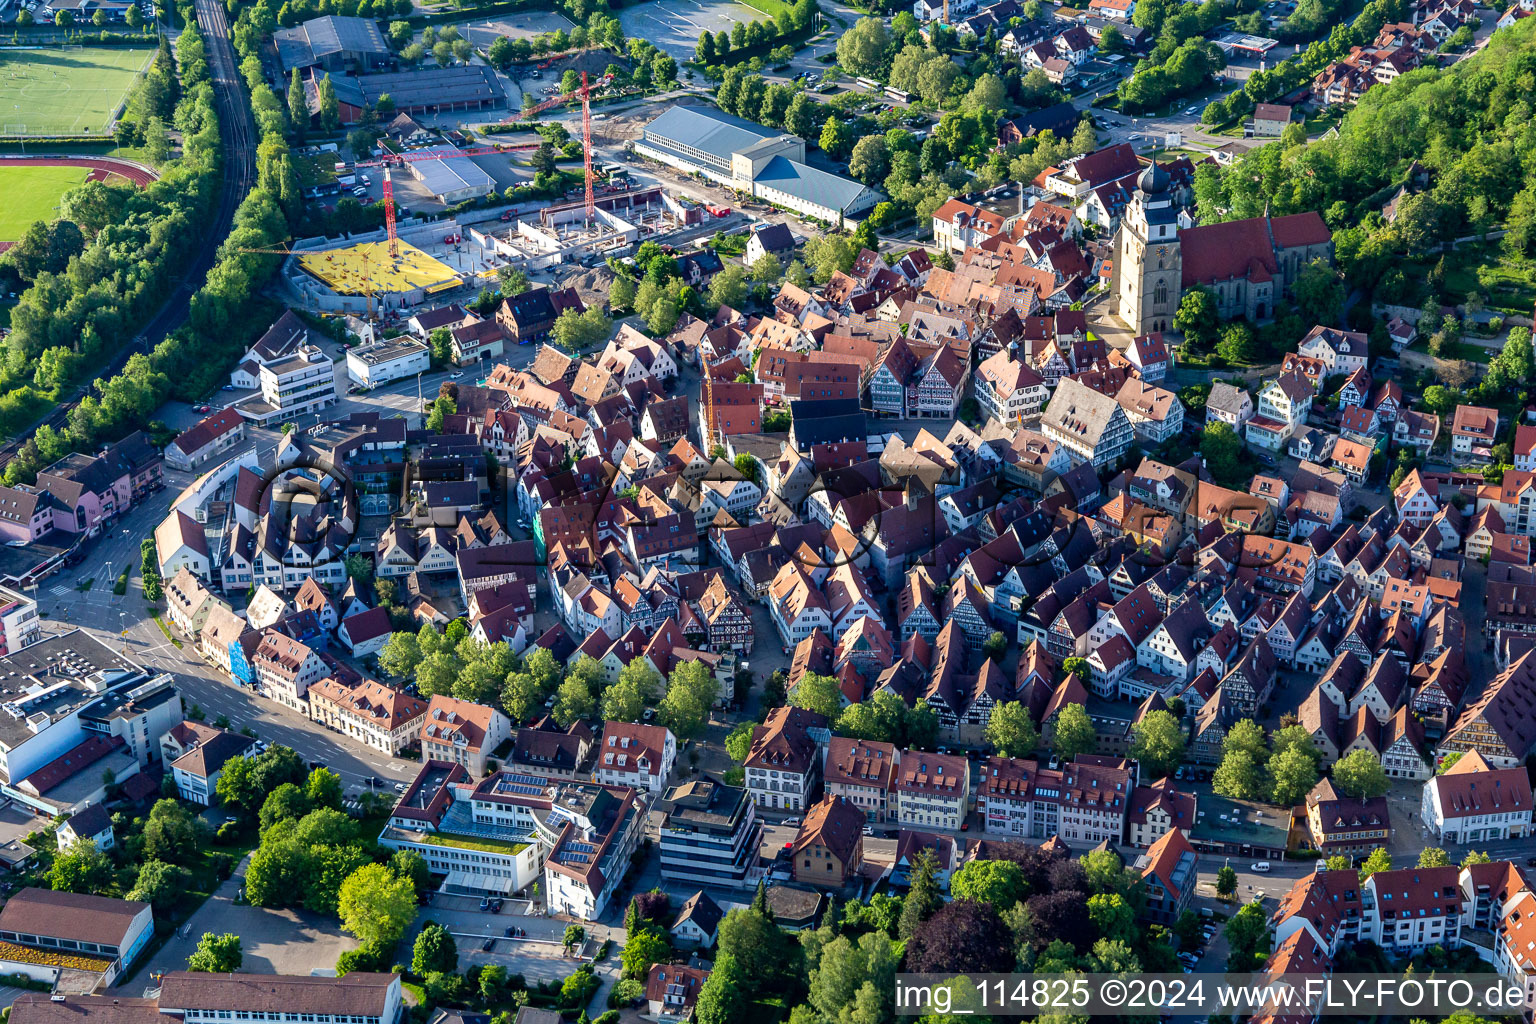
675 26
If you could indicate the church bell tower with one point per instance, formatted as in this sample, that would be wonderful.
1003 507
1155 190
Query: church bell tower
1148 262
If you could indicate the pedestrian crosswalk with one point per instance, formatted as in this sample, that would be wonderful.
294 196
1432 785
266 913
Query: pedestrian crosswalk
60 590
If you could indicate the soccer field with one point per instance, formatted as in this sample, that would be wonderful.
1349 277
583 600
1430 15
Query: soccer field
52 91
31 193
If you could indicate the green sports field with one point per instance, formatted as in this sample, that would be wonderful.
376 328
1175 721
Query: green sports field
53 91
31 193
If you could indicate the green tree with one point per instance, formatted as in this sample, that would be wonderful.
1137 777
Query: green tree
865 48
1447 762
1074 733
871 160
573 702
720 999
729 287
1226 881
1360 775
298 105
1319 293
1246 932
1239 777
285 803
626 699
330 110
836 137
998 882
1222 450
324 789
434 950
216 954
375 905
1011 731
1157 743
923 898
80 868
691 692
1292 775
1114 918
160 884
1246 735
1433 857
170 834
1196 317
1379 860
644 950
818 693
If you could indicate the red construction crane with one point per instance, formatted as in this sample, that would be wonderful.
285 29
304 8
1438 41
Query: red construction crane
585 94
586 145
389 215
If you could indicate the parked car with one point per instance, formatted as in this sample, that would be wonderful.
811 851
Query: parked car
1262 867
487 945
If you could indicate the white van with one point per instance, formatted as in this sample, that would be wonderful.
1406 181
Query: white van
1262 867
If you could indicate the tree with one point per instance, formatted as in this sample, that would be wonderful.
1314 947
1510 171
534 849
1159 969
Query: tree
704 53
962 936
923 898
1246 735
1360 775
1245 933
643 950
767 269
575 935
400 654
1319 293
573 702
1379 860
1158 744
80 868
1447 762
1222 450
1433 857
1226 881
324 789
435 950
410 865
1238 344
375 905
729 287
160 884
1196 317
1011 731
330 110
720 999
1292 775
691 692
170 833
1239 777
995 647
818 693
865 48
1113 917
1074 733
835 137
513 280
298 104
638 683
285 803
997 882
801 116
871 160
216 954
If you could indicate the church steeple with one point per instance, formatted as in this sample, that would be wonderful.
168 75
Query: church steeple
1148 262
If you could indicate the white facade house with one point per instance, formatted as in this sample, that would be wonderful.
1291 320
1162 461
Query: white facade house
387 360
1473 802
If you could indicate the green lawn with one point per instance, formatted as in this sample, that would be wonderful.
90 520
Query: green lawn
31 194
57 91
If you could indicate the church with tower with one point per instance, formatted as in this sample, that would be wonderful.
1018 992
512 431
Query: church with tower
1246 264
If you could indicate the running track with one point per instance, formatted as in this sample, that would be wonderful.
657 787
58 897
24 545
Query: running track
138 174
102 168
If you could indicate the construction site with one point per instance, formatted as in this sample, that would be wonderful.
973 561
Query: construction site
397 268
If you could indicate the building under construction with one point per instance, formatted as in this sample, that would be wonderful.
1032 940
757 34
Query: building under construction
360 276
564 234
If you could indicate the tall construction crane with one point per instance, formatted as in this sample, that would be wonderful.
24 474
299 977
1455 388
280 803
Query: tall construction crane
585 95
